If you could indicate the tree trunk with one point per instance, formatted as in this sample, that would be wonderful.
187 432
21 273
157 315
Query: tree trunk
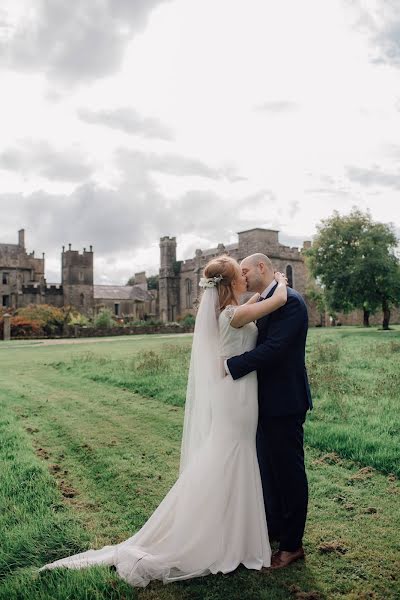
386 314
366 317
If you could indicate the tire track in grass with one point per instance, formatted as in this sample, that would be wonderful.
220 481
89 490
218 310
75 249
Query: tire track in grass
88 443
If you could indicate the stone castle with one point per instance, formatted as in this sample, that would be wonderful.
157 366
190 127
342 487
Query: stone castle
179 281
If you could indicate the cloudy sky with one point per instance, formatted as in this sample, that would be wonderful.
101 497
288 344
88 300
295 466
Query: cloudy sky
125 120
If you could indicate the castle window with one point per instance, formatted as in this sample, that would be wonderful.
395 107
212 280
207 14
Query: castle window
82 299
116 309
5 278
189 290
80 275
6 301
289 275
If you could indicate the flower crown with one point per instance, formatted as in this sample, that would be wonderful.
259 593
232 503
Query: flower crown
209 282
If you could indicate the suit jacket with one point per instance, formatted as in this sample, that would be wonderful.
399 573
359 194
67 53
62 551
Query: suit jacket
279 358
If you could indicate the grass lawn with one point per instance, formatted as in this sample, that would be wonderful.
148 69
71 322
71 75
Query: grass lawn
89 445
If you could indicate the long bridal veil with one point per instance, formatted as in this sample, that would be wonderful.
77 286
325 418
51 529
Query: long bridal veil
213 518
204 375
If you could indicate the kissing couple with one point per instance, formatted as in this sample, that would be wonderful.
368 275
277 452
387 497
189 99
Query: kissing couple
242 481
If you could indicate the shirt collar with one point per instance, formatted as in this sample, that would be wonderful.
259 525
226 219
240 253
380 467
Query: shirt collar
268 289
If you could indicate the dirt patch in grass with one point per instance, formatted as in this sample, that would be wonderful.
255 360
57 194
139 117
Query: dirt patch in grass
32 430
66 490
54 468
363 596
331 458
297 594
371 510
362 475
336 546
42 453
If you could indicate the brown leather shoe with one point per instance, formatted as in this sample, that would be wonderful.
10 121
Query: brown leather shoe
283 558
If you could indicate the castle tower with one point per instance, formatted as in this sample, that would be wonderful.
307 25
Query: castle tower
77 279
265 241
169 280
21 238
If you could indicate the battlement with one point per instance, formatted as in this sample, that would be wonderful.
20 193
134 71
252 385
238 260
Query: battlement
53 292
54 286
76 252
189 263
34 287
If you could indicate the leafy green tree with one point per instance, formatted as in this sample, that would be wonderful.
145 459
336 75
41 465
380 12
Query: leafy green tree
354 260
316 295
131 281
152 282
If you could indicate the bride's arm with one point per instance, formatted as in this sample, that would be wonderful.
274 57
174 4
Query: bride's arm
254 298
245 313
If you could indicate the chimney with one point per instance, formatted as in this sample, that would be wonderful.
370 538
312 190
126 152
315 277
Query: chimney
21 238
141 279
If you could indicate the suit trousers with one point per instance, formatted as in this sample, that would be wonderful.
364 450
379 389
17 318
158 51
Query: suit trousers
280 454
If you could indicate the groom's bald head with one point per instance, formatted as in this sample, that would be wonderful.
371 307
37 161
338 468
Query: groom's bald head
258 270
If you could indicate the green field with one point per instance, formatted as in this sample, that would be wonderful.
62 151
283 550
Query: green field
90 441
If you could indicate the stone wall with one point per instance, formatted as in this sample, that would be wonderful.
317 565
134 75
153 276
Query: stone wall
84 332
356 318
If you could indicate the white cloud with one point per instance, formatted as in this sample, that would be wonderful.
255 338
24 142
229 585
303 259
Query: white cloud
127 120
72 41
194 119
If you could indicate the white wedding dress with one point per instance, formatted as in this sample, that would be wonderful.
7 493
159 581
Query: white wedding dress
213 518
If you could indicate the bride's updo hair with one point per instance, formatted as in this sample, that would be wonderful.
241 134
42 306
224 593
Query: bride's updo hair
228 268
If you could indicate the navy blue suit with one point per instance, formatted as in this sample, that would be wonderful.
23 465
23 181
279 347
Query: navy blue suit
284 398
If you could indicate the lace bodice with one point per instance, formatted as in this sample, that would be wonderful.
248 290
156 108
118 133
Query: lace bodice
233 340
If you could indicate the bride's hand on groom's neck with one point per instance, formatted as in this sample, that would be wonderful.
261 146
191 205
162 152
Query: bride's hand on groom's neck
280 277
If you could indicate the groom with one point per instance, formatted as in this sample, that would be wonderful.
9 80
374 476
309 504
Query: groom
284 398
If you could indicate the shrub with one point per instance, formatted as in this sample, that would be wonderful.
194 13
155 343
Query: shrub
151 322
51 318
78 319
188 320
104 319
22 326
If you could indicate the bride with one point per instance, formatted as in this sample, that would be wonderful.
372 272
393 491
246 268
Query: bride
213 518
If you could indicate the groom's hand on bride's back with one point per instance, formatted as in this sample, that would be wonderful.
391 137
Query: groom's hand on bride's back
222 366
